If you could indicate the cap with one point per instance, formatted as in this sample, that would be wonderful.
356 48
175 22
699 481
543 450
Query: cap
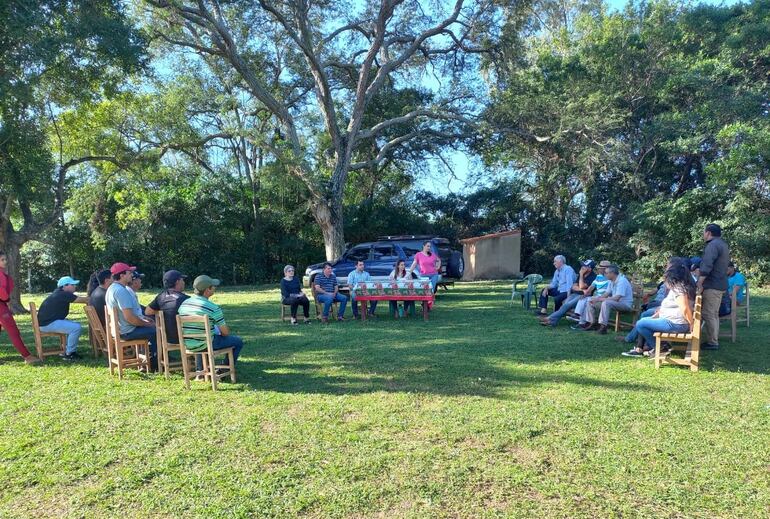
170 278
589 263
695 260
136 274
66 280
201 283
604 264
694 266
117 268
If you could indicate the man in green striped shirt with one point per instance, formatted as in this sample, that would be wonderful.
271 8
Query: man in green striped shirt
201 304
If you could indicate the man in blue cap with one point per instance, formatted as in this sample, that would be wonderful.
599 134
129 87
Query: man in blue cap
53 313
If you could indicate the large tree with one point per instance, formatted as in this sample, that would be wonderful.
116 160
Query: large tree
316 67
53 54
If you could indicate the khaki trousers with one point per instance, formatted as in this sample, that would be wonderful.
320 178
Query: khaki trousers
710 315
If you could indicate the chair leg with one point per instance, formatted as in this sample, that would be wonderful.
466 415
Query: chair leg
119 355
657 352
617 322
734 325
694 354
231 356
212 371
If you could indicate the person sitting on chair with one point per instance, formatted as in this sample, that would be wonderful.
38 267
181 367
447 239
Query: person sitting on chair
53 312
357 276
168 302
96 297
736 283
328 291
563 278
579 290
673 316
201 304
400 273
291 294
619 297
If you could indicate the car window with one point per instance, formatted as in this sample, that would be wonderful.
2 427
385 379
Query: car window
411 247
384 252
360 253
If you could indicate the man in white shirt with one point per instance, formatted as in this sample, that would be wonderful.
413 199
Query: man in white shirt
619 296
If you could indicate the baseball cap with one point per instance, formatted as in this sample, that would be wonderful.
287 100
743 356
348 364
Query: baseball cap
117 268
170 278
136 274
203 282
589 263
66 280
604 264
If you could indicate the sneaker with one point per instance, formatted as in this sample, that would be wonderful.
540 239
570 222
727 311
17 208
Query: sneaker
602 330
539 312
340 319
69 356
577 327
633 352
294 321
545 322
307 321
709 346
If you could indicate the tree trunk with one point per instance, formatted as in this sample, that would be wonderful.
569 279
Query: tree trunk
329 218
13 252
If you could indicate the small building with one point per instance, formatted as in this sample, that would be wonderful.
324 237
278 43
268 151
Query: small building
493 256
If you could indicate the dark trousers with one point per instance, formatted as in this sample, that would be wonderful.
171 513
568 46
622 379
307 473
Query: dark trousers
558 298
145 332
220 342
295 302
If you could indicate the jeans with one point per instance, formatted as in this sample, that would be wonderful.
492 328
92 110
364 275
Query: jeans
649 325
566 306
434 281
71 328
634 333
408 307
220 342
558 298
145 332
328 299
354 304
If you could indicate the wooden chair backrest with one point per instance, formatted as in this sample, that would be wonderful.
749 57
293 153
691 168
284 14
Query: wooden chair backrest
160 328
204 335
696 316
96 327
35 322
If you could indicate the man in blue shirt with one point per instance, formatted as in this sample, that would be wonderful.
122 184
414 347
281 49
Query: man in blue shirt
327 292
355 277
579 290
736 283
563 278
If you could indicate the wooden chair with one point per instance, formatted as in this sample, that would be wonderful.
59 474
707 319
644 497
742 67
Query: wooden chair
96 332
687 342
209 371
636 308
734 317
121 353
286 311
42 352
164 347
526 294
319 306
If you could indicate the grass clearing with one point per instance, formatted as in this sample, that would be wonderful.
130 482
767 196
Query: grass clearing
480 412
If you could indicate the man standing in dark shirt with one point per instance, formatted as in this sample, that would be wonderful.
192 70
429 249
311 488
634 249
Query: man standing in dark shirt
96 299
53 312
712 283
168 302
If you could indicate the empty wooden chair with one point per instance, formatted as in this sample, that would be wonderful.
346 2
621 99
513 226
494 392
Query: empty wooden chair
738 314
43 352
164 347
687 342
202 332
96 332
121 353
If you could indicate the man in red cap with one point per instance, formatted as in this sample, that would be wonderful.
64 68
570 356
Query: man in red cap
132 326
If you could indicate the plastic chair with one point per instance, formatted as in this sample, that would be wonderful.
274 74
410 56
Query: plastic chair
526 294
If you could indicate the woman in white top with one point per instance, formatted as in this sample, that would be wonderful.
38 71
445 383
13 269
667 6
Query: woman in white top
400 273
674 315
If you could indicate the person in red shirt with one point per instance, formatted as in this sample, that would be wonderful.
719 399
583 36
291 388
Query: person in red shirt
6 317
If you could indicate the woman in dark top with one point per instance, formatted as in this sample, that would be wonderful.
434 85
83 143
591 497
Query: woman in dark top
291 294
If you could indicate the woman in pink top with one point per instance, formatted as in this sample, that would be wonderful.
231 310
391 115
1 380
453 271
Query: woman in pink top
429 265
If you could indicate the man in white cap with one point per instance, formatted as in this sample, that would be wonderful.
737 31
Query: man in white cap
53 312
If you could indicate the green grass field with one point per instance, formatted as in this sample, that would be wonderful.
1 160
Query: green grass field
480 412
